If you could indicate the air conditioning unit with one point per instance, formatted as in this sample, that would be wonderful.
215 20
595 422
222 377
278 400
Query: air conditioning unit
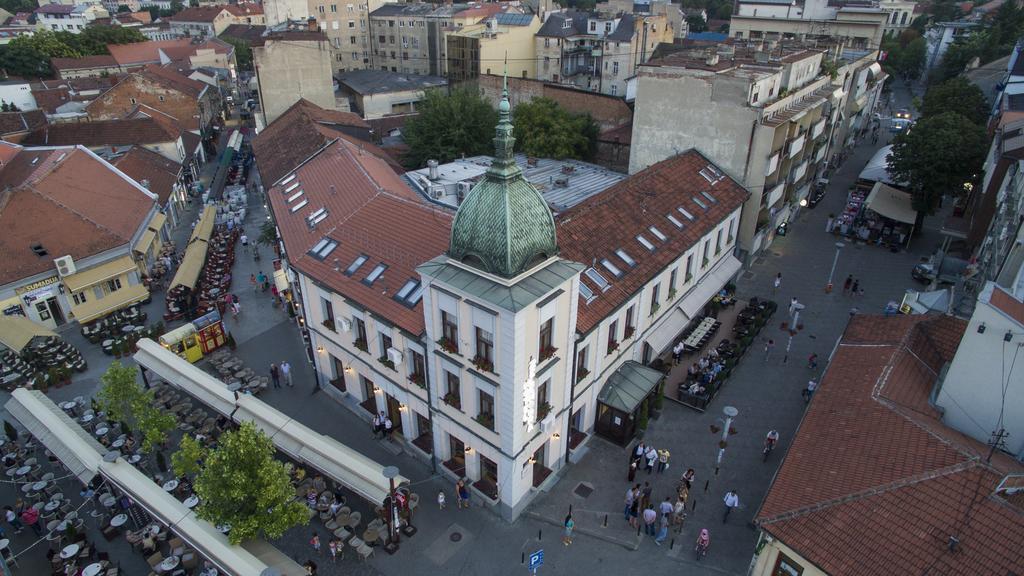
548 423
65 266
437 192
346 325
395 355
464 188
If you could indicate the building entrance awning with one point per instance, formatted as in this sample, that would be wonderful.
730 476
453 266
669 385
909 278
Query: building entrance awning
709 285
95 275
17 331
892 203
627 387
97 308
353 470
80 453
662 336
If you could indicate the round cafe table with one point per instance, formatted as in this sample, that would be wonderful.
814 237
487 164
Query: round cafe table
134 459
23 470
119 520
26 488
102 431
69 551
117 443
170 485
52 505
92 569
39 485
191 501
68 405
169 563
86 419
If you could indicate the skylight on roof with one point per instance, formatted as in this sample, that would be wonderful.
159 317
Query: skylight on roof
699 203
359 261
288 179
611 268
625 257
646 243
657 233
416 295
410 292
685 213
375 273
292 187
298 206
295 196
317 217
674 220
323 248
406 289
596 278
710 198
586 293
711 174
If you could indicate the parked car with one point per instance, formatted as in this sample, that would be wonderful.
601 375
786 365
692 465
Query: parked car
816 195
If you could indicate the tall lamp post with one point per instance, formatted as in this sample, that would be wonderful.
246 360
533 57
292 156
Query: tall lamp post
730 413
391 472
832 273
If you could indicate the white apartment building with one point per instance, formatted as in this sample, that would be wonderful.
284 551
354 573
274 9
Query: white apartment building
862 24
69 17
499 341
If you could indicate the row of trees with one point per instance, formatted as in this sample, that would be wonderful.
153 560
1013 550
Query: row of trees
29 56
945 150
987 44
463 122
905 54
239 483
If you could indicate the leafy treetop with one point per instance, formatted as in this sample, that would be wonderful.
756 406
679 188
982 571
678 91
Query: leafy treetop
449 126
545 129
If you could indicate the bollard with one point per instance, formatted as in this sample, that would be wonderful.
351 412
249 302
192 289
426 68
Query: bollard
538 534
605 520
522 558
672 544
708 482
694 505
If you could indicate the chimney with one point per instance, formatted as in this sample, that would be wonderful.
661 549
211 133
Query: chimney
312 26
145 183
432 167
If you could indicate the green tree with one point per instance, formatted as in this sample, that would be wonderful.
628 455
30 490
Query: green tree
545 129
15 6
241 484
449 126
905 54
268 234
937 157
956 95
696 24
243 53
186 461
124 400
122 8
153 423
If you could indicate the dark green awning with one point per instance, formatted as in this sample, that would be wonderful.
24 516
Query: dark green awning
626 388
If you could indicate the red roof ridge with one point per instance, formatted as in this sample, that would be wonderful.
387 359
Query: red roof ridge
868 492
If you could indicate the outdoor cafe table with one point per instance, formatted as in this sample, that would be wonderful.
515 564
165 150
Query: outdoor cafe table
117 443
69 551
68 405
191 501
134 459
92 569
170 485
23 470
102 431
169 563
87 418
52 505
119 520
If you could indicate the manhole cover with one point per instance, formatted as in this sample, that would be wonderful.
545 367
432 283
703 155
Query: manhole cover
583 490
455 536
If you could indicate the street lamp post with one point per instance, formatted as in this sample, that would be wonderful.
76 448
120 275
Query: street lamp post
730 413
835 261
391 472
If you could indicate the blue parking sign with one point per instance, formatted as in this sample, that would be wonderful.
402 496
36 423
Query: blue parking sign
536 559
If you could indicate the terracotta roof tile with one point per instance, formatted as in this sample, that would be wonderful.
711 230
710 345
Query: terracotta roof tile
596 227
102 133
170 78
50 99
148 167
100 61
363 197
140 53
89 208
245 32
1008 304
17 122
297 134
872 467
200 14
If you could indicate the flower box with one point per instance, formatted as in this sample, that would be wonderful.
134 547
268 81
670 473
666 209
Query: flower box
418 379
329 324
453 401
547 352
386 362
448 346
612 347
543 409
361 344
486 420
483 364
581 374
654 308
628 332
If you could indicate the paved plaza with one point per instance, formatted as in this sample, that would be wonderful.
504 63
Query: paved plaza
452 541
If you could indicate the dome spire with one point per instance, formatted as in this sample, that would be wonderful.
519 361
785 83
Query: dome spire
504 165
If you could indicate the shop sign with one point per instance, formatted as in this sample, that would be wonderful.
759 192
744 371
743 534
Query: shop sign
36 285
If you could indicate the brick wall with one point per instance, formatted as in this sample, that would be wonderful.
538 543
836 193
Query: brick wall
609 111
122 98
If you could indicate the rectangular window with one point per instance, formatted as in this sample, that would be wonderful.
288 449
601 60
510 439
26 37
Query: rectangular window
450 330
615 68
452 392
352 40
625 257
615 90
546 334
718 241
611 268
672 277
645 242
543 407
352 24
360 327
334 7
613 333
328 311
385 343
707 248
689 267
113 285
419 365
630 321
732 225
321 9
581 363
485 408
79 298
654 298
359 261
485 346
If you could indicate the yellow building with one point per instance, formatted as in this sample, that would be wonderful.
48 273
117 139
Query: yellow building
76 235
483 48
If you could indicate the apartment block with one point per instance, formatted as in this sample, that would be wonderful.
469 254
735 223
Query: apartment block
483 48
860 23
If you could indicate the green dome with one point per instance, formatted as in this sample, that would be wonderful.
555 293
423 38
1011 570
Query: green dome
504 226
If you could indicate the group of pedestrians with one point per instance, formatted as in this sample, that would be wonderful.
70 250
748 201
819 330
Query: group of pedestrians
383 426
852 287
650 458
279 373
461 496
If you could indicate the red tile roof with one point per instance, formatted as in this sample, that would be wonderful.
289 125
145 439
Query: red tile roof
1009 305
102 133
155 172
363 196
874 483
170 78
100 61
89 208
298 133
205 14
621 135
18 122
242 10
139 53
596 227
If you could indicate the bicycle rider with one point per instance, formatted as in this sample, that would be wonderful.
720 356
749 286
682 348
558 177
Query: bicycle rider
771 439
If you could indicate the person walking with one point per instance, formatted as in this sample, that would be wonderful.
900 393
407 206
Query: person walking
677 352
732 500
389 428
812 385
812 361
376 424
630 496
650 516
286 373
777 283
275 375
663 523
335 546
381 418
768 347
458 494
679 513
252 281
855 288
464 494
663 456
569 524
641 449
315 542
646 492
687 478
847 284
440 499
651 456
632 470
30 518
236 309
245 241
12 519
634 508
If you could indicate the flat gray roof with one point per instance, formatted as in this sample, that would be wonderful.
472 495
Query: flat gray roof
381 81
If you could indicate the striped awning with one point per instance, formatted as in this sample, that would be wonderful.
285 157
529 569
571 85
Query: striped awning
85 278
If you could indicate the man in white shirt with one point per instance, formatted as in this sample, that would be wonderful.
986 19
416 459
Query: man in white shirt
286 371
732 500
812 385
